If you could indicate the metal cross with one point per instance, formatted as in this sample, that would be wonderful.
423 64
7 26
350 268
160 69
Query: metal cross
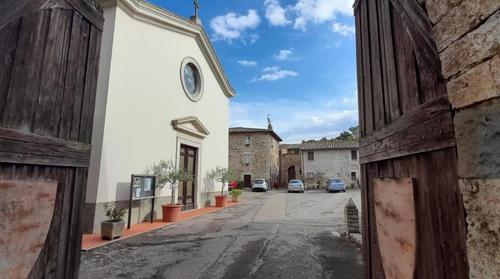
196 7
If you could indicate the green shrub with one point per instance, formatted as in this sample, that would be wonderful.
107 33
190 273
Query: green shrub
236 192
113 213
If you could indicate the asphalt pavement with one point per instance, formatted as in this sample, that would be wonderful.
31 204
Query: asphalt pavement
267 235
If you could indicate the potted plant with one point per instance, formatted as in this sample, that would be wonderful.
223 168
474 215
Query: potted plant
113 227
167 173
222 175
235 193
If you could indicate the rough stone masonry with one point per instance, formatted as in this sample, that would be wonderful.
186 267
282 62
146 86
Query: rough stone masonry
467 34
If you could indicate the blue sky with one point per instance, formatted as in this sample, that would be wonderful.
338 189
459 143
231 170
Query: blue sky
291 59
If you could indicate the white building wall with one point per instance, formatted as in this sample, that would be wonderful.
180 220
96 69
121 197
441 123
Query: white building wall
329 164
138 97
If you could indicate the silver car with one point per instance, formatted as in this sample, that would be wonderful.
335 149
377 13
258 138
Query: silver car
295 185
335 185
260 185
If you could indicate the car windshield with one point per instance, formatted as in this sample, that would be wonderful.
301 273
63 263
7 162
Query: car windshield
334 181
259 181
295 182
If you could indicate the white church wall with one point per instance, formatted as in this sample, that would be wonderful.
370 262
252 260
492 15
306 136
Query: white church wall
144 94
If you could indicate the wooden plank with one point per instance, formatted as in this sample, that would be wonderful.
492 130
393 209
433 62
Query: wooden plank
90 10
365 221
87 115
67 182
46 120
69 125
75 234
375 64
22 96
392 93
368 95
396 226
20 147
8 44
359 64
383 65
429 110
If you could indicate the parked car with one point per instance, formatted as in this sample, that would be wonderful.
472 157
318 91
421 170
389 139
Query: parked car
232 185
296 185
260 185
335 185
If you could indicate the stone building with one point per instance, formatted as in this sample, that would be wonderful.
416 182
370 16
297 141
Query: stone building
467 35
155 100
325 159
290 163
254 153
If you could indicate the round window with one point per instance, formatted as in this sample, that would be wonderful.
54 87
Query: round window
191 78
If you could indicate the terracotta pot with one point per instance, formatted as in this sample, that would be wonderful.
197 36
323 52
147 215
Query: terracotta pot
220 200
111 230
171 213
234 198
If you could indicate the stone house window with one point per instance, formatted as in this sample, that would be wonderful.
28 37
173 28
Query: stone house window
354 154
248 140
310 156
247 158
353 176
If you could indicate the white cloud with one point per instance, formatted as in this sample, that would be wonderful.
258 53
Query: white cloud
247 63
343 29
275 14
233 26
294 120
275 73
283 54
319 11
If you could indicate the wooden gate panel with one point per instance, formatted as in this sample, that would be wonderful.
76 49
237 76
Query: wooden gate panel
407 132
49 53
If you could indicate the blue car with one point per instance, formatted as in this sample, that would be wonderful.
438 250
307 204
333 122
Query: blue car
335 185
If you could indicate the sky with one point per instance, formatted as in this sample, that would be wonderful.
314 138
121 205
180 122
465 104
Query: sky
293 60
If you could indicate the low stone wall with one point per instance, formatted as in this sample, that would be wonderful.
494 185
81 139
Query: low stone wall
467 34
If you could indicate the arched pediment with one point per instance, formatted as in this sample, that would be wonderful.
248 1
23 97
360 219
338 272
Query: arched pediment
190 125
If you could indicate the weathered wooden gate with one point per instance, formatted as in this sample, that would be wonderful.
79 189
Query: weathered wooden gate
413 225
49 52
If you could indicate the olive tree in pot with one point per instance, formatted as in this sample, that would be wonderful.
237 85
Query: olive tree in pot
113 227
224 176
168 174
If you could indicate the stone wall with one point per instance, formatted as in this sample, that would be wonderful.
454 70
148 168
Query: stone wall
467 35
290 158
264 152
329 164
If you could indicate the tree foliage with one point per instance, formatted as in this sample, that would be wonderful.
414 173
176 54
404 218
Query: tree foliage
351 134
223 175
167 173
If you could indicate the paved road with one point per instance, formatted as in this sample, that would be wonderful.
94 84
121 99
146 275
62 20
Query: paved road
268 235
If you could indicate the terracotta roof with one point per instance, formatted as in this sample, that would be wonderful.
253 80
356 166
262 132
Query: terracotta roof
291 146
329 144
254 130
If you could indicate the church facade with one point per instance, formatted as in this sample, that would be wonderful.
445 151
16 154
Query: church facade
162 94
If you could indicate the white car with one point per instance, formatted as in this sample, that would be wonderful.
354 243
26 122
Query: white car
295 185
260 185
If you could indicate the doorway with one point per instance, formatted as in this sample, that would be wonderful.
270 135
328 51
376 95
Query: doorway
247 180
291 173
187 162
